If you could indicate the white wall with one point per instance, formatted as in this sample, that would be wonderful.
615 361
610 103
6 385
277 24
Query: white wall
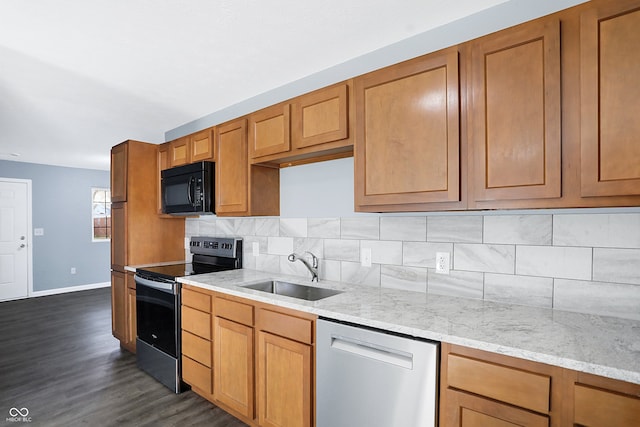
504 15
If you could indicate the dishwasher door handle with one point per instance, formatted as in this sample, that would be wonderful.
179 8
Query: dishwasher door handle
373 351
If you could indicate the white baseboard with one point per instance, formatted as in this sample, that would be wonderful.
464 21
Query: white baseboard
70 289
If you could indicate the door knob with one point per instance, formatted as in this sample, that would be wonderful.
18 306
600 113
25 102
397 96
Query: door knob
22 246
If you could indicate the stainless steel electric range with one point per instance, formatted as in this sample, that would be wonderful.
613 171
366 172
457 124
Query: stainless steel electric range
158 343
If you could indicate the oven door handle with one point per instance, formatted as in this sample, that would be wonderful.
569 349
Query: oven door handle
162 286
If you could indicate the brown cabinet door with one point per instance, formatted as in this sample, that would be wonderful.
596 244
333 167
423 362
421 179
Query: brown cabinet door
407 148
118 235
284 382
119 173
233 366
321 117
201 146
466 410
232 191
595 407
610 70
132 333
197 375
515 138
119 305
179 152
269 131
163 163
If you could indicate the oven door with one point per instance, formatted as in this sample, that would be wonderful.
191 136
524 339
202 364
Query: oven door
158 314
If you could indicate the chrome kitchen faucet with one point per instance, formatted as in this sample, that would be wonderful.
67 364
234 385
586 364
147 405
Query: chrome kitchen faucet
313 268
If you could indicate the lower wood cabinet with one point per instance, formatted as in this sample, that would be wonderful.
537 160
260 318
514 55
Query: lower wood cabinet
118 305
132 331
123 309
256 363
602 402
233 367
284 381
485 389
468 410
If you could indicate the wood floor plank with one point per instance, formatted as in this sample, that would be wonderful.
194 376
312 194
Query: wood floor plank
59 360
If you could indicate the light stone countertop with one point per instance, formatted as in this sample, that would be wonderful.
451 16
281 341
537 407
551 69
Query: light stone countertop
600 345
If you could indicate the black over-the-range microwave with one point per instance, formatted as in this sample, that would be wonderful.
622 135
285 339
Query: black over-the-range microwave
188 189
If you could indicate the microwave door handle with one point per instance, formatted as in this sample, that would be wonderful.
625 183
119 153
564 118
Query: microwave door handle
190 190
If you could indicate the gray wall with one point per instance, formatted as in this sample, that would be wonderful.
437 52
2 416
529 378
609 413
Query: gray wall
61 205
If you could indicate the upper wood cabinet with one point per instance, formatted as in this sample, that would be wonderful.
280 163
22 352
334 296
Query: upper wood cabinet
515 131
119 173
232 192
119 235
163 163
610 94
201 146
313 127
321 117
179 153
270 131
407 148
243 189
139 234
192 148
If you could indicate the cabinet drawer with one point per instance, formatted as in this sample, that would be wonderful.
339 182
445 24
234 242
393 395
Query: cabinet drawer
196 322
232 310
285 326
196 348
599 408
196 375
510 385
196 300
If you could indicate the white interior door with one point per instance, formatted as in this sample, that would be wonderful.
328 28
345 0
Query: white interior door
14 251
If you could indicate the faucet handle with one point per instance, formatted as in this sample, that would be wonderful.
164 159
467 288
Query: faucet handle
314 259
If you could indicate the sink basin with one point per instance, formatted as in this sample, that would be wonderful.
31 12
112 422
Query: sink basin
308 293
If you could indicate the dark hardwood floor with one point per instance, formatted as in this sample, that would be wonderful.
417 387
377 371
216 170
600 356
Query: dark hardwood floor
59 360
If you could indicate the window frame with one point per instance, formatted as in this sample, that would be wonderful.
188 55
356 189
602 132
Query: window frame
93 216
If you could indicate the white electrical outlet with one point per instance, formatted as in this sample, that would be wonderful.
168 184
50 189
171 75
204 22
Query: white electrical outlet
73 270
256 248
365 257
443 262
38 231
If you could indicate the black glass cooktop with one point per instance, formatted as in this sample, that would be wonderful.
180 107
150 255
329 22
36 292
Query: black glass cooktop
172 271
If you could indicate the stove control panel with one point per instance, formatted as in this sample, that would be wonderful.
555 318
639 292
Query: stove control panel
215 246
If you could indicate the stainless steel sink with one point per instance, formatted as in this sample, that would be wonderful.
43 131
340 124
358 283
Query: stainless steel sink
294 290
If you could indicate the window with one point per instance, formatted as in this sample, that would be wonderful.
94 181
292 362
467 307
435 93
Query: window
101 214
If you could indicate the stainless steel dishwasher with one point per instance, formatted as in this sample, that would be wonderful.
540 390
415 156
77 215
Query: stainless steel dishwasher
365 377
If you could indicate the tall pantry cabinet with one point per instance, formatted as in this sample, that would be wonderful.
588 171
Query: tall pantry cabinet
138 234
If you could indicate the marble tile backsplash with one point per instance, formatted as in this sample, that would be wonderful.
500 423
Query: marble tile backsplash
588 262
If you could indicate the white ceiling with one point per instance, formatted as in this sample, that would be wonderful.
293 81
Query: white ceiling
79 76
